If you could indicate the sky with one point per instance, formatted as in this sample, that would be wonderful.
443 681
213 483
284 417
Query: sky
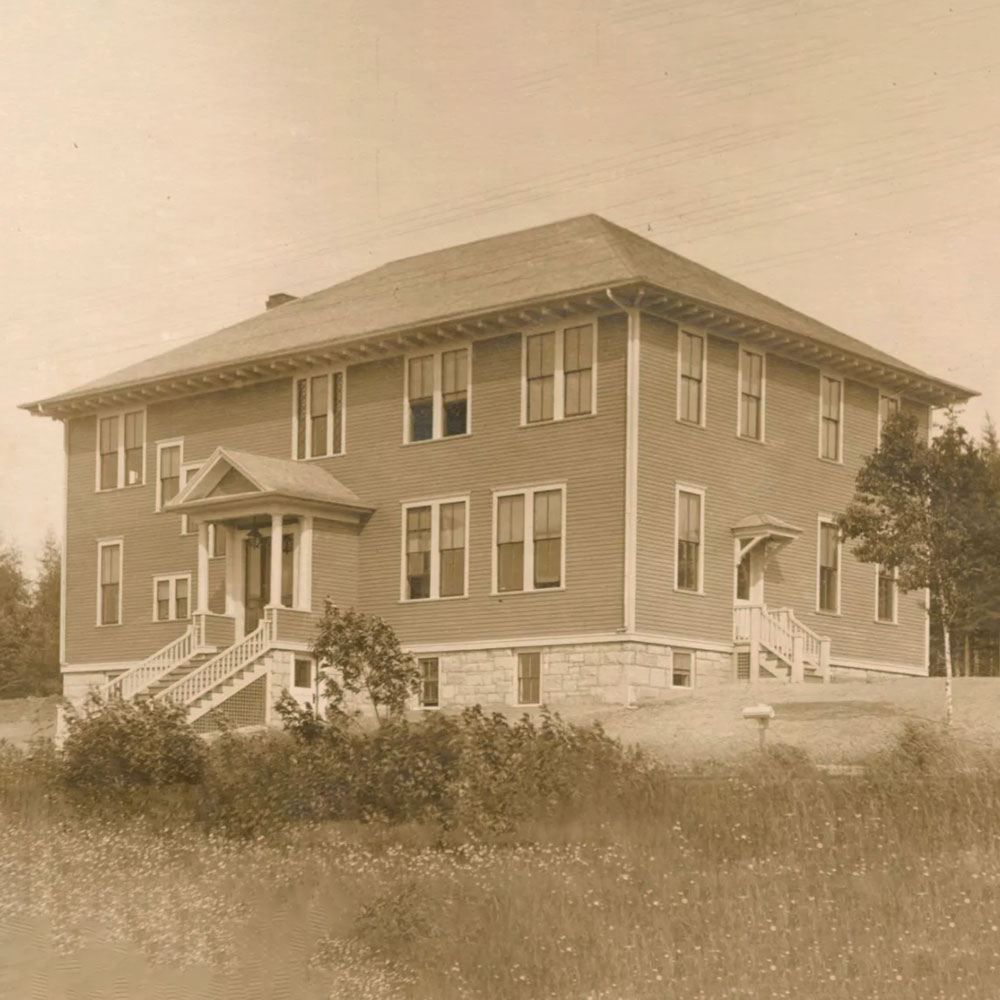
167 166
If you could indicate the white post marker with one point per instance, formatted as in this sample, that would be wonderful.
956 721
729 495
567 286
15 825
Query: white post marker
763 714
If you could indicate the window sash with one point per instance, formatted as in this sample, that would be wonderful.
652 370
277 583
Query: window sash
830 404
302 677
682 668
171 598
134 432
692 373
170 472
529 678
430 672
538 514
689 511
319 415
829 567
751 394
418 552
110 560
540 374
578 363
451 548
885 608
435 556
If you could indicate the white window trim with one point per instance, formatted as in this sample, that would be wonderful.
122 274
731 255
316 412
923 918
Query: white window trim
342 372
680 488
172 579
878 415
895 598
839 460
418 703
820 521
120 414
435 506
517 679
102 544
763 396
437 432
703 401
213 535
558 373
528 492
160 445
693 653
193 468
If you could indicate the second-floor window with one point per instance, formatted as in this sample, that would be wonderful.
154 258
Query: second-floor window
888 406
559 374
437 395
690 529
435 547
529 549
121 448
109 583
751 421
319 415
831 417
169 458
828 584
691 378
885 594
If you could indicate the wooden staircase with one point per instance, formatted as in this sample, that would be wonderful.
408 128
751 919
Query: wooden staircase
776 645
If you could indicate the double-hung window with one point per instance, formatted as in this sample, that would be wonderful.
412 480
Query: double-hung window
435 549
682 668
690 530
428 695
529 678
885 594
828 583
559 377
121 448
188 472
437 395
888 406
319 415
831 417
529 549
169 459
171 598
691 377
109 582
751 418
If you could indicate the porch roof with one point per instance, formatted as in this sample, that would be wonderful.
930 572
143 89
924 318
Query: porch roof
764 525
230 478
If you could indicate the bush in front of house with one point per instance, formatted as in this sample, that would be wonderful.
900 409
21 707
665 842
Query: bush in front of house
116 745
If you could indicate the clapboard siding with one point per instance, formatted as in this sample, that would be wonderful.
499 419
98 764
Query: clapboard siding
782 477
587 454
335 564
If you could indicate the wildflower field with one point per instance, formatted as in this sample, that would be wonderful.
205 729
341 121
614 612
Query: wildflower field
764 879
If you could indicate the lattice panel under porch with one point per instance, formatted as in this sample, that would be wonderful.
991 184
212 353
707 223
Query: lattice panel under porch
245 708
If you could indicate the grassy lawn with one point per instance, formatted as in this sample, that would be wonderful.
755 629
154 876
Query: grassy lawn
768 880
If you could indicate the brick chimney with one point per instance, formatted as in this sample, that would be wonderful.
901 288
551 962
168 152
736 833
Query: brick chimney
279 299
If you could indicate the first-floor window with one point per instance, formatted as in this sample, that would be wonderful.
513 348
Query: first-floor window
303 673
534 515
689 540
172 598
682 670
829 567
885 594
429 668
529 678
435 549
109 594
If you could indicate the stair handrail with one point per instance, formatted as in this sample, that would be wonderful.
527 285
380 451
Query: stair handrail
139 677
813 640
775 635
221 667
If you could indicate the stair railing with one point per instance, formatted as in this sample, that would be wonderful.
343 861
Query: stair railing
136 679
220 668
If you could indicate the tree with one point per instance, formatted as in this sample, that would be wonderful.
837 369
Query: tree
361 653
41 658
931 511
15 614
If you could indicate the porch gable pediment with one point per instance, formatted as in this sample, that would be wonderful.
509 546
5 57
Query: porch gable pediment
231 480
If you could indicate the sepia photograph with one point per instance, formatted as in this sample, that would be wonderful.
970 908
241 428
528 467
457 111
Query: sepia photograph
501 501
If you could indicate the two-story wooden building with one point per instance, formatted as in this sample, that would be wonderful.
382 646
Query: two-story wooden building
563 463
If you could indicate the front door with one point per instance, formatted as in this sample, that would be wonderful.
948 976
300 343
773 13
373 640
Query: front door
257 578
750 576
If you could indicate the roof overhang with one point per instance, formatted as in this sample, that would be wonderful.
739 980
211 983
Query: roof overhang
763 530
512 317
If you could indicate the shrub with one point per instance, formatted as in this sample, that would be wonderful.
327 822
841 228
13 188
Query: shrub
120 744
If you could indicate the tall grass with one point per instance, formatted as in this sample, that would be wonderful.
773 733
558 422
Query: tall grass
771 880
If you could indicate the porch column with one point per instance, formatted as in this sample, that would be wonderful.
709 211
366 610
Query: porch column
202 567
277 524
305 564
